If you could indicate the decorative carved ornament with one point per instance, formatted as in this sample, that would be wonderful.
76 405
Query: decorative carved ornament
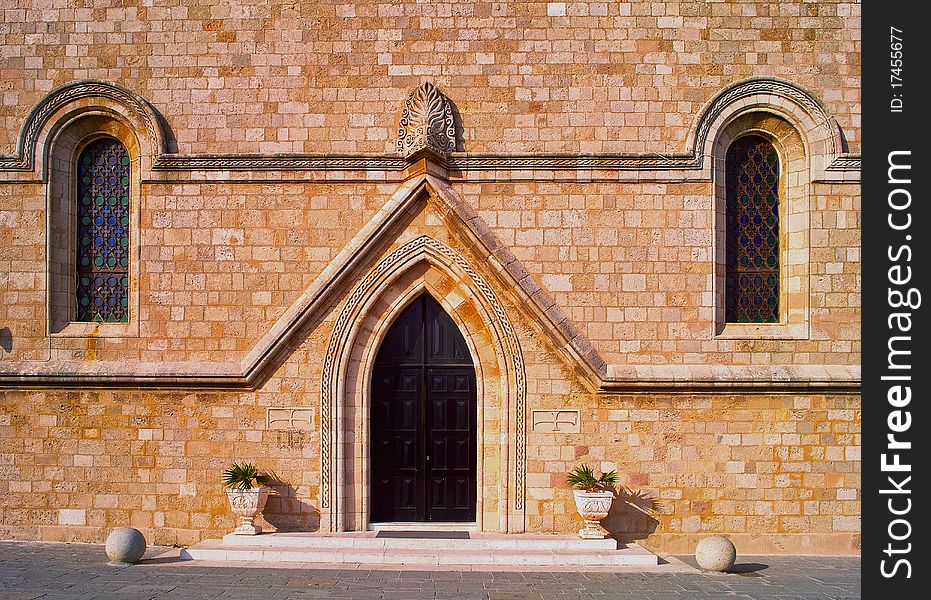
555 421
289 418
427 122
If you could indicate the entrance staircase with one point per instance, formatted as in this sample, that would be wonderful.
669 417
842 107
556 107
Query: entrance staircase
367 548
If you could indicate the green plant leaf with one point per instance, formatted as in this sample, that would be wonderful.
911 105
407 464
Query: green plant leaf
583 478
241 476
609 478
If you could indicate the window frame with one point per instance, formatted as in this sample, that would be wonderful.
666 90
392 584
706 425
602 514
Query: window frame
68 146
77 271
794 227
781 194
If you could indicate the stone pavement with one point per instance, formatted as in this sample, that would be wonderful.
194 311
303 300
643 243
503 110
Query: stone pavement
79 571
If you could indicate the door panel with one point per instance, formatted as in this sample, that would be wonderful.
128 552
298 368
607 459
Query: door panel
423 420
444 343
396 482
452 466
404 342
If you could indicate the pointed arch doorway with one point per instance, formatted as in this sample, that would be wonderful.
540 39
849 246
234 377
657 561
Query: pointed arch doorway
423 420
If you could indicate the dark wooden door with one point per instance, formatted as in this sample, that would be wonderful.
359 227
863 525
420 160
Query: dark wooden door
423 420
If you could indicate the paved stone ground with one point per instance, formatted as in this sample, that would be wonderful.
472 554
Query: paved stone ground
79 571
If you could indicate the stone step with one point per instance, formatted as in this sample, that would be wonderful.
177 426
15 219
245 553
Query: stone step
219 551
486 549
368 539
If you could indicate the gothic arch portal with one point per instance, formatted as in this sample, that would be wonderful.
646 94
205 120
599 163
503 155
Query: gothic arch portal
423 265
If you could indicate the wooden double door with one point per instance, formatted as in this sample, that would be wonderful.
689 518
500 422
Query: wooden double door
423 421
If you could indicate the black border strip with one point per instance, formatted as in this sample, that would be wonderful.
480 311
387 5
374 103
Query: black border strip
895 272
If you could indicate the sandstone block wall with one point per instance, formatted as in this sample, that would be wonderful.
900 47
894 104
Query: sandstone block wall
627 256
777 474
525 76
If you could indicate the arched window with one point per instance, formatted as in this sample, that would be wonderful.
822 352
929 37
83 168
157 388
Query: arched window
102 232
752 239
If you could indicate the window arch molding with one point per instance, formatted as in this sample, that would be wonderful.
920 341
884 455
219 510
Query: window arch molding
68 102
823 139
62 156
794 226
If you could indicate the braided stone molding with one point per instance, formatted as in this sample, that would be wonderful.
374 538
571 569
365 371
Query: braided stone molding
765 86
24 160
284 162
456 162
427 122
573 162
846 162
339 343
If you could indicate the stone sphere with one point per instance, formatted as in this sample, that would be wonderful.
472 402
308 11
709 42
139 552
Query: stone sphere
715 553
125 545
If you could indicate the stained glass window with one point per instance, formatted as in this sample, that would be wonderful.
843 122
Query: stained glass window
103 232
752 184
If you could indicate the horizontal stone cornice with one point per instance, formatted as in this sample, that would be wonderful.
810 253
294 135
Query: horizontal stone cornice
124 374
461 164
279 162
775 378
679 379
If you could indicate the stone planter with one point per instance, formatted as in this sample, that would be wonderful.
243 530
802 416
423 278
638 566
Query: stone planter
247 504
593 507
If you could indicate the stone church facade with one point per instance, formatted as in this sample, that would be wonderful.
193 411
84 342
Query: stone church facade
618 234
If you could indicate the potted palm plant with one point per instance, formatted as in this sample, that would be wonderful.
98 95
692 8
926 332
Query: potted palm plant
593 498
245 489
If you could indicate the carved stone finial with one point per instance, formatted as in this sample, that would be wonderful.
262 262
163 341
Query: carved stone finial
427 122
